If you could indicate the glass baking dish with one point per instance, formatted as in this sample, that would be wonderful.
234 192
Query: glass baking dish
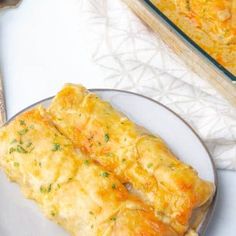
220 69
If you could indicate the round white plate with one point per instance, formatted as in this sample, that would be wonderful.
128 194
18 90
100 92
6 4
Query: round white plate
21 217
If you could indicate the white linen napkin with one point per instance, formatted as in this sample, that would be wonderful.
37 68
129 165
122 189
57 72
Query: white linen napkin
132 58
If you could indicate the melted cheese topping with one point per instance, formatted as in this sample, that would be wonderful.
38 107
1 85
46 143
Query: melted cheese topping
171 187
71 189
210 23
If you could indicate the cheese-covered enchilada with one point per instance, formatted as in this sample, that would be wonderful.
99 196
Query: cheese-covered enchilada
72 190
137 158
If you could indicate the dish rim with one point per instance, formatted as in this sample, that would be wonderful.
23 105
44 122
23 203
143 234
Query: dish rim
204 224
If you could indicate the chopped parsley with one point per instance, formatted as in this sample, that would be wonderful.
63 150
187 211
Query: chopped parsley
49 188
113 186
22 122
56 147
91 213
16 164
113 218
110 154
46 190
105 174
86 162
12 150
42 189
20 149
53 213
13 141
106 137
149 165
23 131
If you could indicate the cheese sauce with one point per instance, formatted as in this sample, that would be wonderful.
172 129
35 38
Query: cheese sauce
210 23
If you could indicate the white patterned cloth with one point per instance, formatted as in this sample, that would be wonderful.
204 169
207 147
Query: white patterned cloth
132 58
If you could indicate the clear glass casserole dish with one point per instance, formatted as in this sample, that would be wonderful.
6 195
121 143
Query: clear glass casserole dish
152 4
189 50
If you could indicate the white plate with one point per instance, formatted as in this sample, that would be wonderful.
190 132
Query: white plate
21 217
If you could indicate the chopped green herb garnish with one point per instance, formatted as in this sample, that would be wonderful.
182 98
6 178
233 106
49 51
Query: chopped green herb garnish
16 164
56 147
49 188
42 189
86 162
113 218
22 122
110 154
12 150
58 185
13 141
91 213
20 149
53 213
105 174
123 160
106 137
46 190
23 131
113 186
149 165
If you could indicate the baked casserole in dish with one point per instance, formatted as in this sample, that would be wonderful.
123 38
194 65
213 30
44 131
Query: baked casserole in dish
211 24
